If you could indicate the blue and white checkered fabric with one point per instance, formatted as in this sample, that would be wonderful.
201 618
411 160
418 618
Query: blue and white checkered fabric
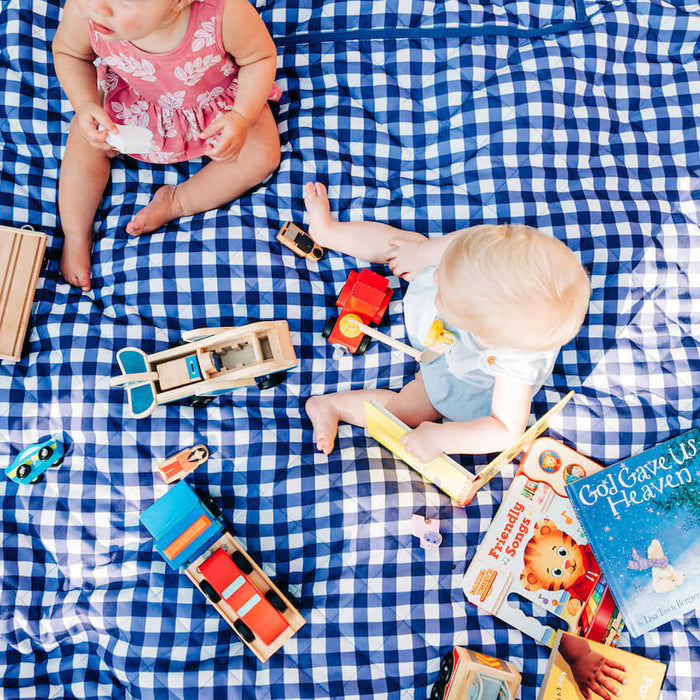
591 135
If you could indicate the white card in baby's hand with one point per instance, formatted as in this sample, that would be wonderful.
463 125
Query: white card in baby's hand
131 139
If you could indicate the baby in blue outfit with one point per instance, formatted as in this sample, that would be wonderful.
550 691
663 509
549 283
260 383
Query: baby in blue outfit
512 296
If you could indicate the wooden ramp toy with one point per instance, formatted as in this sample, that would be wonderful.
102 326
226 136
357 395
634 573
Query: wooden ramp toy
21 256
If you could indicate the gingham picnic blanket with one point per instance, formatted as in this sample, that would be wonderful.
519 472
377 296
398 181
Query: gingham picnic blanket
581 120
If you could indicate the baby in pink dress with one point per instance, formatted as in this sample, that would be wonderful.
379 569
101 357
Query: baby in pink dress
166 65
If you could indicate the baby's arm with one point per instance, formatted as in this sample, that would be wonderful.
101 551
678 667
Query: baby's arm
247 40
510 409
73 59
591 671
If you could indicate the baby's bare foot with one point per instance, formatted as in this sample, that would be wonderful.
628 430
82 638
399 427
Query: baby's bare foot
324 417
162 208
319 210
75 261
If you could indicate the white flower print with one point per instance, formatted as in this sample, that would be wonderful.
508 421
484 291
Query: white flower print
191 73
110 81
207 98
193 128
204 36
143 68
136 114
169 102
172 100
229 67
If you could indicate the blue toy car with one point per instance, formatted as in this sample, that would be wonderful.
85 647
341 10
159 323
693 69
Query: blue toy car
33 461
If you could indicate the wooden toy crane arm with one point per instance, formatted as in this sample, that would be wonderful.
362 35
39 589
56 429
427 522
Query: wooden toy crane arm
439 340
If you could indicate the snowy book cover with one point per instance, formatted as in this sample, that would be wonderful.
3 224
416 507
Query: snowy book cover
642 518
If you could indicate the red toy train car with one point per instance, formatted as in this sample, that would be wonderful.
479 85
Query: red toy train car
364 298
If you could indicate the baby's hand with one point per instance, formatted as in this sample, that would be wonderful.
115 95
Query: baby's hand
594 673
424 441
406 257
95 124
228 132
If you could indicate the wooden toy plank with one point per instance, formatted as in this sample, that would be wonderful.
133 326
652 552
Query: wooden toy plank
21 255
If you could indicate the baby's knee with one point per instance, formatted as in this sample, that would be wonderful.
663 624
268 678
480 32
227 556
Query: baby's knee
269 159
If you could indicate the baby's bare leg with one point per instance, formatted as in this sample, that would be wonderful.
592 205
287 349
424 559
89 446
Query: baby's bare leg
217 183
411 405
81 184
366 240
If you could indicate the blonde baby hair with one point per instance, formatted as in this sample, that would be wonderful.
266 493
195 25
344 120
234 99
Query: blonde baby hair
517 287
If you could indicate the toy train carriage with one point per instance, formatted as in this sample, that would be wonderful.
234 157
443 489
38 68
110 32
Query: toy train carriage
364 298
205 363
471 675
189 533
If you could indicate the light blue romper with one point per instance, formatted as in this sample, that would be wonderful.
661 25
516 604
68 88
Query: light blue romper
460 383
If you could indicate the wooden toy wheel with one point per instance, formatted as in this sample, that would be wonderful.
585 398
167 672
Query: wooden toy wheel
446 666
364 344
328 328
438 691
199 401
275 600
241 561
282 587
243 631
270 381
209 591
209 503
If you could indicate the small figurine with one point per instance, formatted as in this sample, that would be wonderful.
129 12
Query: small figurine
31 463
299 242
427 530
183 463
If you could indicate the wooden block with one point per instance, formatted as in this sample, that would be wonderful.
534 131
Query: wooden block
21 255
174 373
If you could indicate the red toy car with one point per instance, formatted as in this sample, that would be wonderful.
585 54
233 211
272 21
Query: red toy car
259 615
364 298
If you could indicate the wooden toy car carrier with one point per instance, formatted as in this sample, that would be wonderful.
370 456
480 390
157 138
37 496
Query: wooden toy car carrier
190 534
21 256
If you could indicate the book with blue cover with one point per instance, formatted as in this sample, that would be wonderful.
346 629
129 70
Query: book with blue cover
642 518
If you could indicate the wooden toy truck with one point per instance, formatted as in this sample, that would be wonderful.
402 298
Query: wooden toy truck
299 242
21 256
205 363
190 535
471 675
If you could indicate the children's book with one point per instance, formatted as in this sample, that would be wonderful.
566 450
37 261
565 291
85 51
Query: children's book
534 568
447 474
642 518
580 668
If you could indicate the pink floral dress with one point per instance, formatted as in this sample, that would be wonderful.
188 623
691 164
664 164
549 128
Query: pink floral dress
176 94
